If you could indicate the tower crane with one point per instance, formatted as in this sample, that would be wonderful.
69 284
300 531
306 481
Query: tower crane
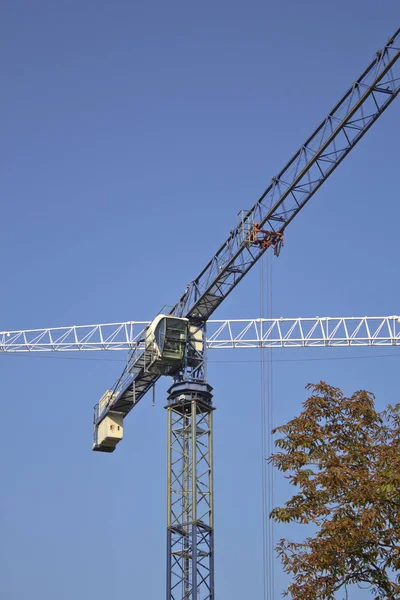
176 341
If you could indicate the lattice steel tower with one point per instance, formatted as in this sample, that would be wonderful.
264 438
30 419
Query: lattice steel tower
190 510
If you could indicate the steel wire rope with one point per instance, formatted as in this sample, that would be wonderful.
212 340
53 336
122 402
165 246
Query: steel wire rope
270 425
266 393
266 409
53 355
263 442
266 428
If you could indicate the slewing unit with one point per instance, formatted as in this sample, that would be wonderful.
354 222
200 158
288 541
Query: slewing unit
169 344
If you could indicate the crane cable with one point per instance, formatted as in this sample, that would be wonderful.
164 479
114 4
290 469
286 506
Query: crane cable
263 442
270 425
266 418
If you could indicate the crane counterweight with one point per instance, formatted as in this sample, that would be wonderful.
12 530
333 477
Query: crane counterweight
108 430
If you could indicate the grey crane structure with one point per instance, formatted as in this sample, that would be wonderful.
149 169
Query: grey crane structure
190 521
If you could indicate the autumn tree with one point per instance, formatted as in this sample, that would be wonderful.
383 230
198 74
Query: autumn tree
344 459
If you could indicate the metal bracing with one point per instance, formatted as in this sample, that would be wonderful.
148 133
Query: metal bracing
304 332
190 512
106 336
222 334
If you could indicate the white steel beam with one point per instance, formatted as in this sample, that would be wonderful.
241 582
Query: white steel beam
231 333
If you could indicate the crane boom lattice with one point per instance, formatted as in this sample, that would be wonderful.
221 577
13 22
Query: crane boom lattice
221 334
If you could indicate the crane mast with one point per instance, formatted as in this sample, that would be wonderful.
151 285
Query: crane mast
190 531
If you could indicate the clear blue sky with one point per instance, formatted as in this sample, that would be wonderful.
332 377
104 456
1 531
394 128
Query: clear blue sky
132 135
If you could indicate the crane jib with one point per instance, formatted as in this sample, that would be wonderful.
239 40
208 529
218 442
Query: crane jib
289 191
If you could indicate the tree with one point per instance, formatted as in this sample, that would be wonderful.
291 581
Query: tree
344 458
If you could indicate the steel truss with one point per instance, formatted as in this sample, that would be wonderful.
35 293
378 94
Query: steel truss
190 511
222 334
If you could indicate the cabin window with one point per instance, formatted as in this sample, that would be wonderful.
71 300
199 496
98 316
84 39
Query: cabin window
159 335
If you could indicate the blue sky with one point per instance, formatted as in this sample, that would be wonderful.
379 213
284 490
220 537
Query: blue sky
133 133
